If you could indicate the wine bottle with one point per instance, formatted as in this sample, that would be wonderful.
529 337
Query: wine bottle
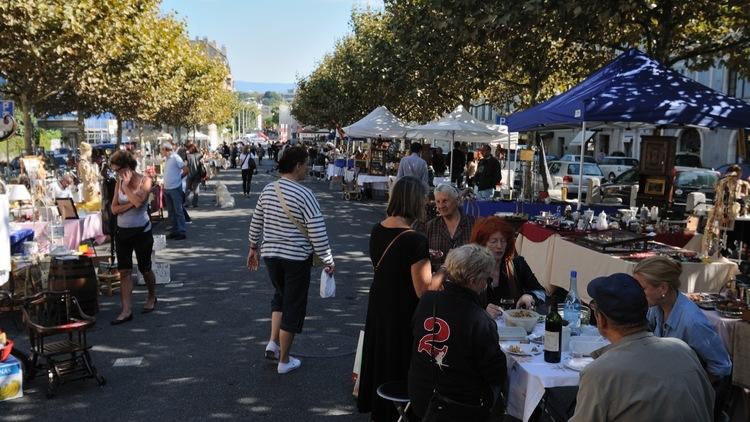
553 334
572 307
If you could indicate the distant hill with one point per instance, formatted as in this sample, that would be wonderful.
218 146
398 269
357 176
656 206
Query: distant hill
245 86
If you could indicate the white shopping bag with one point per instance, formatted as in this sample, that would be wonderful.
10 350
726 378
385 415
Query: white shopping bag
327 285
358 363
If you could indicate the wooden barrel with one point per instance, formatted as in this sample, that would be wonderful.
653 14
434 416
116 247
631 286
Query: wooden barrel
79 277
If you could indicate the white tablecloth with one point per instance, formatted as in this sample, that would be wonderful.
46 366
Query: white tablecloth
437 180
377 182
724 326
529 376
553 259
334 171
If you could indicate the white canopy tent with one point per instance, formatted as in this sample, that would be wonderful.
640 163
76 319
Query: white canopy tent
379 123
462 127
197 136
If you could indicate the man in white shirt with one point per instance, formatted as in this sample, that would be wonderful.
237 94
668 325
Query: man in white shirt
413 165
174 169
61 188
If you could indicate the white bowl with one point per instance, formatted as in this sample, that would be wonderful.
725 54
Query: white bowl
512 319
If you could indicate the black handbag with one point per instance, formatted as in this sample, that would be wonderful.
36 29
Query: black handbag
441 408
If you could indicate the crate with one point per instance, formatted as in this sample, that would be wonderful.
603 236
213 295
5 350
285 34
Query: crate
109 282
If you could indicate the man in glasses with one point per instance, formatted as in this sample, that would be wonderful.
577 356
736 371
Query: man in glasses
638 377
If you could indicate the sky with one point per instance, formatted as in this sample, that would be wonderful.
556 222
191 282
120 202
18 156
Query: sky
269 40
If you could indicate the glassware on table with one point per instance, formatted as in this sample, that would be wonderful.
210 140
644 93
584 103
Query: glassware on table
572 308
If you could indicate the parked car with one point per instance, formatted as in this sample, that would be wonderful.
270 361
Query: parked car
686 159
745 169
576 157
567 173
687 179
614 166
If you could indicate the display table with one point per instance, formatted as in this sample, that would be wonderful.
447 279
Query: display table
76 230
724 326
334 171
552 258
438 180
487 208
377 182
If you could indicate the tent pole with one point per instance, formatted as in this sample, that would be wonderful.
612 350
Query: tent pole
580 164
511 180
450 176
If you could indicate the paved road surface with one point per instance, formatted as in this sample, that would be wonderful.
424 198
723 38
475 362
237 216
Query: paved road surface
202 349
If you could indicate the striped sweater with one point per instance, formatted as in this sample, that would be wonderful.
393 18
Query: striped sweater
281 238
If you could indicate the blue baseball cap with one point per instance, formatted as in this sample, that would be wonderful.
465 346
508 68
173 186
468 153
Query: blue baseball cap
620 297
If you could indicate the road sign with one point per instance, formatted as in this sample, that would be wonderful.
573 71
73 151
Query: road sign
7 108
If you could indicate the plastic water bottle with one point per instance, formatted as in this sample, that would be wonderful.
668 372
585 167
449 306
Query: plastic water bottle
572 307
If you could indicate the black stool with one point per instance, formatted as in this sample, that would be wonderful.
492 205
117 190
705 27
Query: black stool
396 392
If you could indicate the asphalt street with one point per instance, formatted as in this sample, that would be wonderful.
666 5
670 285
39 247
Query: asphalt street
200 355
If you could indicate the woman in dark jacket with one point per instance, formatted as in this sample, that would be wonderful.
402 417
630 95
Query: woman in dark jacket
456 349
513 280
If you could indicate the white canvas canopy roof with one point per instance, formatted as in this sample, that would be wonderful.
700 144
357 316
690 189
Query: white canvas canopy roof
379 123
460 126
198 136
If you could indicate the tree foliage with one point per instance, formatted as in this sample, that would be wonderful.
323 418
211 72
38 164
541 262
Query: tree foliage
421 58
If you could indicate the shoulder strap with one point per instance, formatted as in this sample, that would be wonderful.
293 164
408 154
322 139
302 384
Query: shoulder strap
245 160
377 266
288 213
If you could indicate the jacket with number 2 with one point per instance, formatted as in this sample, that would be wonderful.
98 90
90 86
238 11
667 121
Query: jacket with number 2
463 358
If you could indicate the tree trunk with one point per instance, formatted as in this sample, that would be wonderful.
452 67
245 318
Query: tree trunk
119 131
28 129
178 132
81 134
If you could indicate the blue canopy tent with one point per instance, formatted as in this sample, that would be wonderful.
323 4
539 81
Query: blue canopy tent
634 89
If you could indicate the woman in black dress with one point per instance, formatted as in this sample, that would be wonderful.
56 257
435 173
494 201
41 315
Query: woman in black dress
401 259
513 281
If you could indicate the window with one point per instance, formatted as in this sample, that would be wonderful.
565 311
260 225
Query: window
609 162
718 80
588 169
554 168
695 180
703 77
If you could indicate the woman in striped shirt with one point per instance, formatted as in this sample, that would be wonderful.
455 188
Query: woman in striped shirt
293 230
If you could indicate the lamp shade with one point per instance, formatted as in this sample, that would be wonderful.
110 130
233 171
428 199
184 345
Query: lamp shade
18 193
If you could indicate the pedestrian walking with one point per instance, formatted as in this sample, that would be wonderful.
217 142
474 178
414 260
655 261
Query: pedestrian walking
174 169
288 216
196 171
130 204
247 165
413 165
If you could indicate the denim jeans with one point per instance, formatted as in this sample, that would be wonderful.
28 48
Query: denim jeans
485 194
175 211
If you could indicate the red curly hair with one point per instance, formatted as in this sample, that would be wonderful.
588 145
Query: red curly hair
486 227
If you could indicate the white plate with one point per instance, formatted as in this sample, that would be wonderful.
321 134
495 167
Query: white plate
522 349
577 364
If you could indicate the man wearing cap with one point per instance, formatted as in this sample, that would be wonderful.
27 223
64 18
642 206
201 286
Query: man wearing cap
638 377
174 169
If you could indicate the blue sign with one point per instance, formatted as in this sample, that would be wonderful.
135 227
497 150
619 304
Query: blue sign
7 108
499 120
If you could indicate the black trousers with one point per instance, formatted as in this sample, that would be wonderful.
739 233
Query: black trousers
291 281
247 178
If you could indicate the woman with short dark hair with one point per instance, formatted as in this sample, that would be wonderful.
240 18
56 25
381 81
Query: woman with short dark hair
130 205
400 256
289 217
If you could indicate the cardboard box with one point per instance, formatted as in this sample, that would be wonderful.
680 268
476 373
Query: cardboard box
11 379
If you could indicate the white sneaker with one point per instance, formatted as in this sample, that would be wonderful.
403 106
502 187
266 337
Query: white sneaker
272 351
290 366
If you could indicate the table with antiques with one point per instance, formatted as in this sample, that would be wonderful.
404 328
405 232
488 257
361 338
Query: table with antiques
552 256
76 231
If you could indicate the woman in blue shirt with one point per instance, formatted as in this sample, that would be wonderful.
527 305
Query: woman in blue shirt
672 314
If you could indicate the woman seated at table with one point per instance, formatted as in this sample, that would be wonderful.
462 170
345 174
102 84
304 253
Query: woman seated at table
672 314
462 360
512 281
451 228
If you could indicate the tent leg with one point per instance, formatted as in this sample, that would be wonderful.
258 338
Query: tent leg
580 165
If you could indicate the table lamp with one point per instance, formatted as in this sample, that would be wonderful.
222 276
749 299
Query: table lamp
18 193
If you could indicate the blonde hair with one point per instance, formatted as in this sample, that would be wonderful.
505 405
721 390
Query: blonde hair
468 264
660 269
